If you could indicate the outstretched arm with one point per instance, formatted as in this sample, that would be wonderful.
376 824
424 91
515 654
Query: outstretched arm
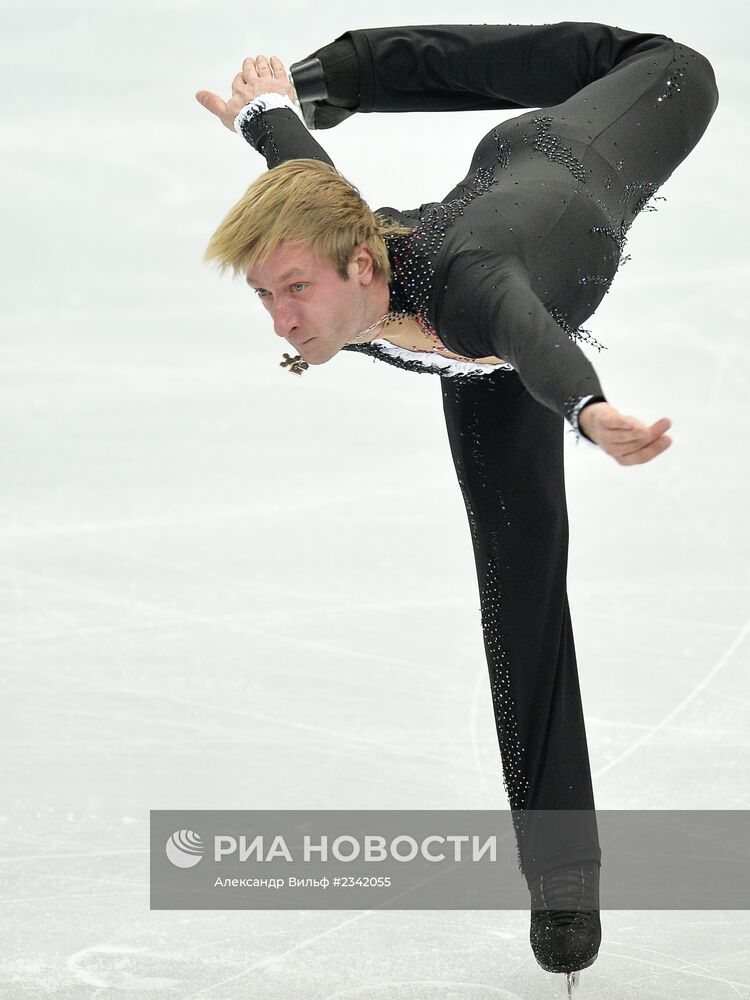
490 309
261 109
494 311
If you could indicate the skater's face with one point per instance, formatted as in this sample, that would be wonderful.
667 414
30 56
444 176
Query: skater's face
312 307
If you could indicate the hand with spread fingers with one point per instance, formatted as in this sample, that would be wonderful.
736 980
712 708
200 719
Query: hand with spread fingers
626 439
259 75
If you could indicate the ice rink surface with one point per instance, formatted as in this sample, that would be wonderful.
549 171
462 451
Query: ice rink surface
227 587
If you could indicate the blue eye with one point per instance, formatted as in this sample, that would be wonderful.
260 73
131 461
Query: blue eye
261 292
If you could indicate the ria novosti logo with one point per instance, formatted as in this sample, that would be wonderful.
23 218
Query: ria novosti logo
184 848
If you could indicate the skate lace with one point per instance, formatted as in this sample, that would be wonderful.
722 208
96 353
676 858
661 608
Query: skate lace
565 892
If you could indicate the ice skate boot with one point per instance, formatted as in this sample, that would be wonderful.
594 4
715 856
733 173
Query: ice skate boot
327 84
565 931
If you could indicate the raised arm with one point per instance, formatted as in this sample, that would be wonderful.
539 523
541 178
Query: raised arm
262 111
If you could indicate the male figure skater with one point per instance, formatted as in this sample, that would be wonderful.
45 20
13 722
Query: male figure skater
487 288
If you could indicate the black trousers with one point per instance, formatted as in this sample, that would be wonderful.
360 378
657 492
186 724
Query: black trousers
508 453
622 110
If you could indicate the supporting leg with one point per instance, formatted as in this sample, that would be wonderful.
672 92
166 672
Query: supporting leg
508 453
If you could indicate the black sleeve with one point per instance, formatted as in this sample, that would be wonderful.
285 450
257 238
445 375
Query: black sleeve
477 67
492 310
279 134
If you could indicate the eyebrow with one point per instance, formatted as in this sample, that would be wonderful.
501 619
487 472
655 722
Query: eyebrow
294 270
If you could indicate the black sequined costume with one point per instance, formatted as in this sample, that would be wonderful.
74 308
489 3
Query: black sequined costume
510 263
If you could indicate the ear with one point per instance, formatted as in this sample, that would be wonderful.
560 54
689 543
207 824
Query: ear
363 262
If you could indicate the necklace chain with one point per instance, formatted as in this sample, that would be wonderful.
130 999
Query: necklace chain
389 315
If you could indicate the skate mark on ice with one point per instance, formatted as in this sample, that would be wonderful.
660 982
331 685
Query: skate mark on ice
663 722
87 967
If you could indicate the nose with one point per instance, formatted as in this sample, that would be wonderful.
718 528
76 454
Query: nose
284 323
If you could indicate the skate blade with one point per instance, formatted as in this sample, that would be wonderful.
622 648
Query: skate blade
573 981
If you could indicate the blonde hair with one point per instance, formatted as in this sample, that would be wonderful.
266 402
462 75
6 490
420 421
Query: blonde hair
301 201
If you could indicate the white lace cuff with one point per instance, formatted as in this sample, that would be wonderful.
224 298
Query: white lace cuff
264 102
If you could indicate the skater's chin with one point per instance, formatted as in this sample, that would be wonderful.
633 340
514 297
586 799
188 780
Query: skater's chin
316 352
